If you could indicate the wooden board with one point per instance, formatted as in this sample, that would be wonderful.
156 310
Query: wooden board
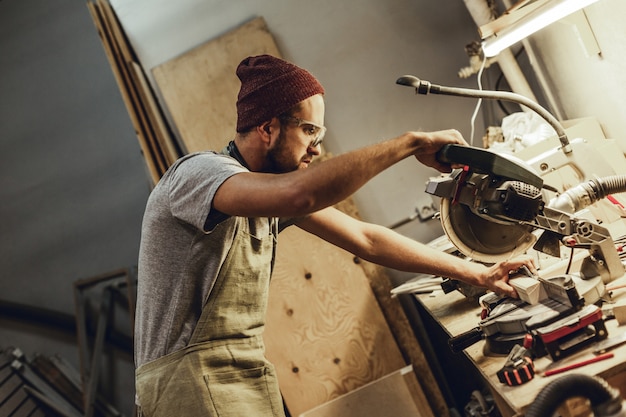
161 131
387 396
155 140
114 60
427 393
199 88
325 332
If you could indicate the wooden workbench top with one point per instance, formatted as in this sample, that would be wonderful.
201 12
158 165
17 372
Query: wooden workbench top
458 314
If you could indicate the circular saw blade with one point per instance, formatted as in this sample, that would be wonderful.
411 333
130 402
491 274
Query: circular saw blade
481 239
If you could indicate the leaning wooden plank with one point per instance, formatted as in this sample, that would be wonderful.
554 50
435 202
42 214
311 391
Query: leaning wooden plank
44 367
199 88
153 171
126 56
162 133
118 71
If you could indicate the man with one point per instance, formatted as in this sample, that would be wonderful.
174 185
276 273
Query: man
209 240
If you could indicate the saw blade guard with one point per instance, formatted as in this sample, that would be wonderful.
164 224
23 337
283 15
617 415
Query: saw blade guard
485 208
482 239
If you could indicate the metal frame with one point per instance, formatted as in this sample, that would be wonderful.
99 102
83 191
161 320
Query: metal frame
114 282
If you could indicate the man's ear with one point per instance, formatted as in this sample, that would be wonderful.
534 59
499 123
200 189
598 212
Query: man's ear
265 131
264 128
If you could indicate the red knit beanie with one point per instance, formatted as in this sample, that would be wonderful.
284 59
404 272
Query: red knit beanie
269 87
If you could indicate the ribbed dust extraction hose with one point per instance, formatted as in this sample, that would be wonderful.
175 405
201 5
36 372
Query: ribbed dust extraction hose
588 192
605 400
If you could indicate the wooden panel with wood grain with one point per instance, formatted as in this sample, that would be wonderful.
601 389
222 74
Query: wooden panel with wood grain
325 333
387 396
199 88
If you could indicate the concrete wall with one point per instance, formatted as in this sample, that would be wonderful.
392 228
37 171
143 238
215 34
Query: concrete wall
72 180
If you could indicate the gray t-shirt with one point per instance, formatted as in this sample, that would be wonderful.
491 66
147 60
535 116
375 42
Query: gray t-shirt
183 246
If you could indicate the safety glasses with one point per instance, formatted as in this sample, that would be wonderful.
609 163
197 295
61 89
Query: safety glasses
313 130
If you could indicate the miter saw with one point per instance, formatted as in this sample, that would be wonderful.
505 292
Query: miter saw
491 210
498 207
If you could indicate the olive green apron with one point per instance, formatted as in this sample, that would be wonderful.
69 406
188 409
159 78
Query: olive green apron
223 371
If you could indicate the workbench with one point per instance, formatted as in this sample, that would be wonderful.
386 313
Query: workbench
456 314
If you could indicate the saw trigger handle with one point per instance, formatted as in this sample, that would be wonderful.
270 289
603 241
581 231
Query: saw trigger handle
446 155
488 162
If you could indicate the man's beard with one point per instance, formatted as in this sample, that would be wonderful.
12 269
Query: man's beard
279 158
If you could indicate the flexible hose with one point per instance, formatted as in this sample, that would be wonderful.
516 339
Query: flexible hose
604 399
426 87
602 187
589 192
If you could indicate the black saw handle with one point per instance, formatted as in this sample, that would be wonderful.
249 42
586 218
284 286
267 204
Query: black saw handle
465 340
488 162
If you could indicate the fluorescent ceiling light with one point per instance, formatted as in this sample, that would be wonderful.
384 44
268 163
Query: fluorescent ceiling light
524 21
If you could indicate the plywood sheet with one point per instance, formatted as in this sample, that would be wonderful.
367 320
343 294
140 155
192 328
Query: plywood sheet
325 332
426 391
387 396
199 88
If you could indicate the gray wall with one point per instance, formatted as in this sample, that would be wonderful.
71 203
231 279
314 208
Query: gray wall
73 182
72 179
